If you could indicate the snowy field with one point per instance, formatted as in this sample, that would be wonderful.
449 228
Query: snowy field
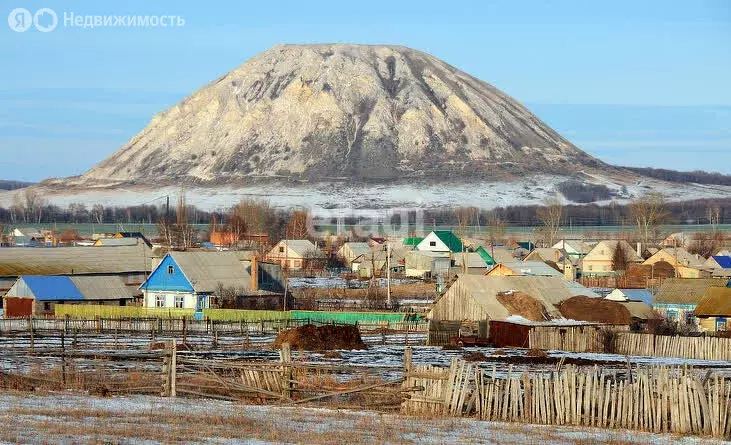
349 199
65 418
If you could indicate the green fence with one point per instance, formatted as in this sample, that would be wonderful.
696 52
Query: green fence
88 311
244 314
351 317
92 311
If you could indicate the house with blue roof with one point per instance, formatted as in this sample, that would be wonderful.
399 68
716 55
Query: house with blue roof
38 295
201 280
719 265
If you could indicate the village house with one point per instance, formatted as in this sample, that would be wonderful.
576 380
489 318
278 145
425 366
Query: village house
130 263
136 235
471 262
677 298
719 266
442 241
294 254
477 300
116 242
201 280
686 264
352 250
714 309
373 263
426 264
39 295
639 304
599 261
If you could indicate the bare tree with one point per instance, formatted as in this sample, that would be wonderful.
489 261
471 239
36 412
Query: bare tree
34 205
495 232
550 216
298 225
465 216
648 212
97 212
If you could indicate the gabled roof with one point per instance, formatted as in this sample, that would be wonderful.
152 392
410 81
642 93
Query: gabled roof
716 301
643 295
723 261
102 287
640 310
532 268
549 291
608 247
357 248
412 241
52 288
686 290
207 270
116 242
450 240
679 255
301 246
474 260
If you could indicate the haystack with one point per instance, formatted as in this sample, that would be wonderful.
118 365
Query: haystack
323 338
519 303
596 310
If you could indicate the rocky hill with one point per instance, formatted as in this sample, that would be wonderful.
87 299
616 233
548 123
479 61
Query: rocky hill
322 112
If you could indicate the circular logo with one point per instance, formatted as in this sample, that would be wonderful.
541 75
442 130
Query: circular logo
20 20
46 26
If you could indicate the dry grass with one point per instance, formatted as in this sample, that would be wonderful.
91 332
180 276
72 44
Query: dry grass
53 418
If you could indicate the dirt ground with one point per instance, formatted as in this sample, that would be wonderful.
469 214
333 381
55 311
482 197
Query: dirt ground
64 418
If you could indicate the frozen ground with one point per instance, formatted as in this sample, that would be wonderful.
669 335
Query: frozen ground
335 199
65 418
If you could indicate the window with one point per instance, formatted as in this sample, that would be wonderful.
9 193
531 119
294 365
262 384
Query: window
159 300
179 301
432 243
281 249
171 270
721 324
591 267
689 318
672 315
46 307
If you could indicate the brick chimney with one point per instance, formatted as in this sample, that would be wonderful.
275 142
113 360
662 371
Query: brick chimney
254 273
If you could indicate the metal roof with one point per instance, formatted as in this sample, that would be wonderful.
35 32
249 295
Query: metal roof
206 271
723 261
686 290
533 268
358 248
53 288
17 261
300 246
473 260
450 240
102 287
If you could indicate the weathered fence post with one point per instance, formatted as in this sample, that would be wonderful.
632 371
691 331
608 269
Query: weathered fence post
30 329
185 331
285 354
169 366
98 324
408 355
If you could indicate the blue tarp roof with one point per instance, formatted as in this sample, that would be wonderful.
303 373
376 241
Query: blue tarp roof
53 288
643 295
723 261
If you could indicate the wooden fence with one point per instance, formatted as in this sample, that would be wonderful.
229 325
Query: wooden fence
182 326
661 400
701 348
618 341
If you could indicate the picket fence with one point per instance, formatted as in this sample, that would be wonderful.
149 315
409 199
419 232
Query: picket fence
701 348
658 399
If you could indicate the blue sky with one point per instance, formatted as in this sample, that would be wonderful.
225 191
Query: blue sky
634 83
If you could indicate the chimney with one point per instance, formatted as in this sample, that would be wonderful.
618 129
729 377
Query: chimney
254 274
639 249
